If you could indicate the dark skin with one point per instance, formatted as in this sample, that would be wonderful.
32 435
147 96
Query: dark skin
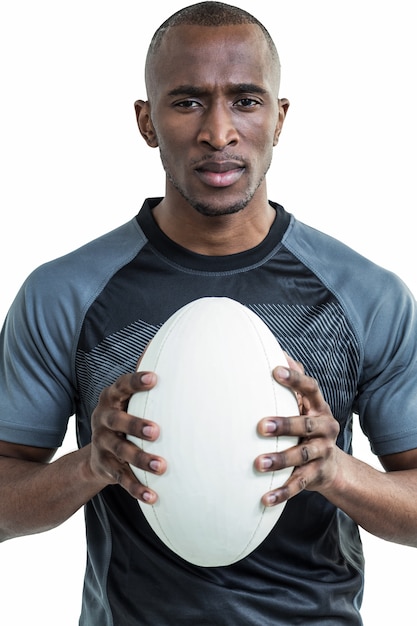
216 119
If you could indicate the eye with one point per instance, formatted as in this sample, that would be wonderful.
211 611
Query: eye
187 104
247 103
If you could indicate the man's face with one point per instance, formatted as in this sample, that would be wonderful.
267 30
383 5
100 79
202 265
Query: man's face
214 113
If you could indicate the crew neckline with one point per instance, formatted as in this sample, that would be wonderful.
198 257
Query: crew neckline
181 256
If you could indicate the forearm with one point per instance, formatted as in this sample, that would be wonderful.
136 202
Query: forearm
35 497
383 503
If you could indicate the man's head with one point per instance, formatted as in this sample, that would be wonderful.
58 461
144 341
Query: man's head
207 14
212 76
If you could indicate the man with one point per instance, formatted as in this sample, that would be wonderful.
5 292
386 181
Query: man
213 110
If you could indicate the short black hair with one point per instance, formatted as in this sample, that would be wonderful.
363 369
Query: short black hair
209 14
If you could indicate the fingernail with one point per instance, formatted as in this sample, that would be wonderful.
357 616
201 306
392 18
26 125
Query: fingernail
271 499
266 462
147 431
147 496
155 465
269 427
146 379
282 372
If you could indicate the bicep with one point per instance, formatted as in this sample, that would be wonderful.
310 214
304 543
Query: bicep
26 453
400 461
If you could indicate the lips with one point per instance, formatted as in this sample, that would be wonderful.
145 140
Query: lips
219 173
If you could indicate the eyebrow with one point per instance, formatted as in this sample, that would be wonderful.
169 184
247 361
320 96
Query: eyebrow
192 90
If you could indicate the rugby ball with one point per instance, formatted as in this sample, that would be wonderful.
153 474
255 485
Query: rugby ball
214 359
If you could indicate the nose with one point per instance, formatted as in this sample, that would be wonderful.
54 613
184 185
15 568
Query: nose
217 127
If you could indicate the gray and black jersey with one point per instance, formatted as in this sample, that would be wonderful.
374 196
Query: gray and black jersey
81 321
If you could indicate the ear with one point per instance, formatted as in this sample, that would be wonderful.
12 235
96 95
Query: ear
143 118
283 105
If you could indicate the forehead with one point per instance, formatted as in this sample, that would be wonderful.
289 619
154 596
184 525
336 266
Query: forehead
207 55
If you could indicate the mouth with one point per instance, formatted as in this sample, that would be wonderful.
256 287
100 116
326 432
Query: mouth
219 173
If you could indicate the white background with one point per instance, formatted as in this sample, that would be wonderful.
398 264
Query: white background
73 166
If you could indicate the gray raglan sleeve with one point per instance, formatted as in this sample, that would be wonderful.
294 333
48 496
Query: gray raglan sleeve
36 344
387 395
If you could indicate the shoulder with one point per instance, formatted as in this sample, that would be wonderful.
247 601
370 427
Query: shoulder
95 261
41 332
326 255
382 312
67 285
53 300
365 290
378 305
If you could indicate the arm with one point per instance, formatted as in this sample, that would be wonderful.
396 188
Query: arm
37 495
383 503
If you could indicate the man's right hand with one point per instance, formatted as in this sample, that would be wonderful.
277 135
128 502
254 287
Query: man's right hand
111 452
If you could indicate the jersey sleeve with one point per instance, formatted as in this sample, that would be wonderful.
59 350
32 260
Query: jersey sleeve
38 342
36 384
382 313
387 391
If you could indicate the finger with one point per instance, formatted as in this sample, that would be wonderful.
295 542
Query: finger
303 385
118 394
118 421
117 446
294 426
299 480
294 456
123 476
115 457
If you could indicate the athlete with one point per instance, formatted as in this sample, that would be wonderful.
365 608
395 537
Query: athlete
214 112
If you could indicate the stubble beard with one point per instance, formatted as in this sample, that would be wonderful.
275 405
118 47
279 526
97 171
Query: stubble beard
209 209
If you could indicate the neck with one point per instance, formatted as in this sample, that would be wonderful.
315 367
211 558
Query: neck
215 235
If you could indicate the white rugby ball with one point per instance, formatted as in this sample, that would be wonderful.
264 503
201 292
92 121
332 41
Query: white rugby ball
214 360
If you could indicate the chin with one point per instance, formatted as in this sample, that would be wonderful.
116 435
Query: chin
217 206
210 210
218 202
